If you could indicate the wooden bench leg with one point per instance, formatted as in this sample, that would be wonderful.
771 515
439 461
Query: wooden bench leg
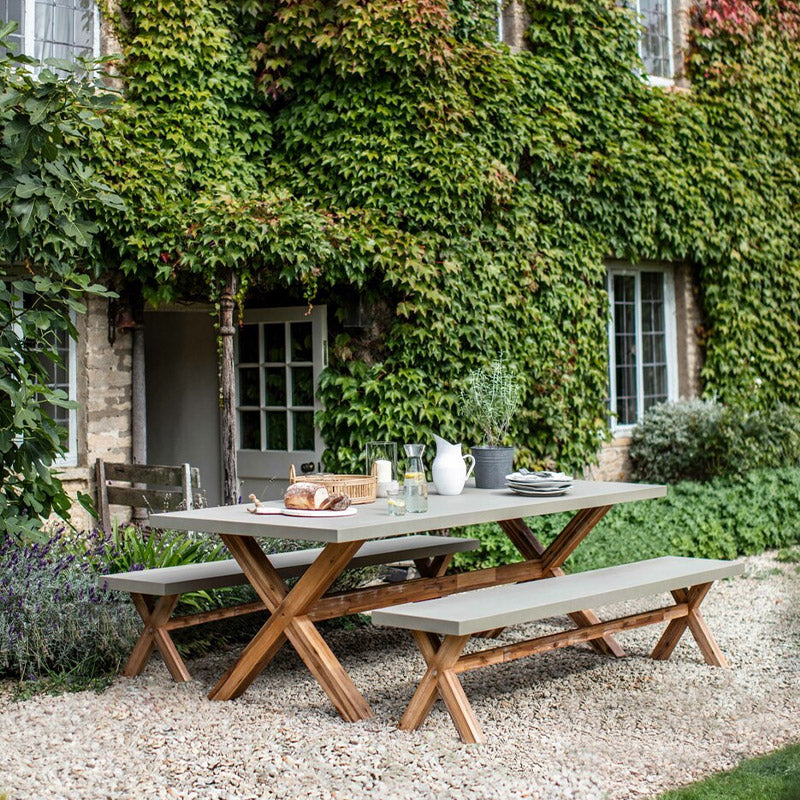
155 616
697 625
441 679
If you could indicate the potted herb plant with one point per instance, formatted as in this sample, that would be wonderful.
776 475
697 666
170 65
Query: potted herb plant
490 398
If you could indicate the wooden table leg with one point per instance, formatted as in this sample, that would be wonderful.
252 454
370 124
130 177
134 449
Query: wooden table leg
289 620
556 554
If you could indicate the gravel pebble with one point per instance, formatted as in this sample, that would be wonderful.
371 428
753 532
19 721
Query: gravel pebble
568 724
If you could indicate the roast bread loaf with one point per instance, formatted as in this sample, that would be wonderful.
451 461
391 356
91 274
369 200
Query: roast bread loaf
305 495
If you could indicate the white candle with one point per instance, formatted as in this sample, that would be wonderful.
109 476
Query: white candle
383 470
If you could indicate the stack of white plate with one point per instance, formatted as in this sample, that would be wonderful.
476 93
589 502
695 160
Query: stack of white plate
539 484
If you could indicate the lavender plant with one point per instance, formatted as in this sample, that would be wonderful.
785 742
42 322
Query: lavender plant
55 618
490 398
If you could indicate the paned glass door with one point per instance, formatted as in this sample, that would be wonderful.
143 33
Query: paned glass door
281 353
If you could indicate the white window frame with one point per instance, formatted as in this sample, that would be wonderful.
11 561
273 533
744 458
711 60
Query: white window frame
670 334
70 456
29 29
500 31
658 80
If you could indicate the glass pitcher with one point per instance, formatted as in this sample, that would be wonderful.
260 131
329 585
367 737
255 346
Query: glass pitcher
416 486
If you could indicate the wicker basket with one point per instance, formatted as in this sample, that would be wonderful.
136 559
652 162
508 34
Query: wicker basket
359 488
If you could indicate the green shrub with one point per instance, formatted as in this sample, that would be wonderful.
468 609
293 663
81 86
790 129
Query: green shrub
128 547
49 201
723 518
698 440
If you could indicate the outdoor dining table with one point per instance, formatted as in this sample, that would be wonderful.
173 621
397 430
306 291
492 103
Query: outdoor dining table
294 611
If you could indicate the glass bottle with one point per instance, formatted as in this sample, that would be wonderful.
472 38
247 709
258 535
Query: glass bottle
416 486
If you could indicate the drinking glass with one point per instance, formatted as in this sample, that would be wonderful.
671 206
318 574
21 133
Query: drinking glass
396 500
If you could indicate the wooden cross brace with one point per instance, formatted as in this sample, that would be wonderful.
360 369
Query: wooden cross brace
552 559
444 659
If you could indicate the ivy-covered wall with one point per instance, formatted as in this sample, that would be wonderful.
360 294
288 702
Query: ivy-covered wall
469 195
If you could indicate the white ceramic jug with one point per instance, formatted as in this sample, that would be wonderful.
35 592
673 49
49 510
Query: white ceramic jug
449 468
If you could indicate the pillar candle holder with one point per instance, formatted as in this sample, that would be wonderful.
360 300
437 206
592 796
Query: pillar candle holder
382 458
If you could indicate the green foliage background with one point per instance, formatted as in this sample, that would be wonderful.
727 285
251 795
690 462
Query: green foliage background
723 518
468 194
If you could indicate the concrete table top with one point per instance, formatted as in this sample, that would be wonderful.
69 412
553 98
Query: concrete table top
373 521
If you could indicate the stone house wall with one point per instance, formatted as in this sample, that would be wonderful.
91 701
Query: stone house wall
104 395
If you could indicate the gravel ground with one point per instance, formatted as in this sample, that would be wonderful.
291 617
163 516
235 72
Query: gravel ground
568 724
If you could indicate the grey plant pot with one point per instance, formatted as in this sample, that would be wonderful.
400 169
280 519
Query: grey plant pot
492 464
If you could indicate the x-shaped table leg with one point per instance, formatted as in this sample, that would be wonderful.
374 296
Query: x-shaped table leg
556 554
154 616
289 620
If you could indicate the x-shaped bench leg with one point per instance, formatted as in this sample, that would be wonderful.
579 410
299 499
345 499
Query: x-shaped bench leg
696 624
155 616
440 679
556 554
289 620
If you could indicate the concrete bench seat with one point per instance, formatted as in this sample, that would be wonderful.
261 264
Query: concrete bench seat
431 554
458 617
222 574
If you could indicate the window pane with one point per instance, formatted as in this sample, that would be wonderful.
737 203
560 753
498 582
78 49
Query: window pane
276 430
655 37
14 11
57 377
63 28
625 347
250 430
654 339
302 386
275 343
303 430
84 26
248 344
275 389
248 387
301 341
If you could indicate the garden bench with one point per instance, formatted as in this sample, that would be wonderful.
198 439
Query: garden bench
442 627
156 592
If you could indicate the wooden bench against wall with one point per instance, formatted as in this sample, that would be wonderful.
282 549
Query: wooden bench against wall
442 627
149 487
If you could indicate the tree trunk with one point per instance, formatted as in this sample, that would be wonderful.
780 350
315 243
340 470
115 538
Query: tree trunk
227 376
